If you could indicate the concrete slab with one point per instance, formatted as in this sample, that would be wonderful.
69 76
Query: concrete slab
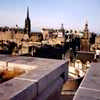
29 63
87 94
17 89
92 78
44 76
90 86
43 73
56 85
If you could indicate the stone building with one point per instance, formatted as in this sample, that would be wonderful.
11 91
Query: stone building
53 33
97 40
96 45
36 37
5 35
45 33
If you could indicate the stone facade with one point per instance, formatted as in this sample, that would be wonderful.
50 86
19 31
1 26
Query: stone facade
97 40
5 35
8 35
84 44
52 33
36 37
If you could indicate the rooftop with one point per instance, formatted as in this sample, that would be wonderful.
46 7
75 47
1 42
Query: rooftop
42 78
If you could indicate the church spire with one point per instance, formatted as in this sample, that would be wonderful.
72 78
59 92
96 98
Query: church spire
86 27
28 24
27 12
63 30
62 26
86 30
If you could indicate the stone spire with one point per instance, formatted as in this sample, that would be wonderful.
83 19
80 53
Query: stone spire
28 24
63 30
27 12
86 30
62 26
86 27
84 42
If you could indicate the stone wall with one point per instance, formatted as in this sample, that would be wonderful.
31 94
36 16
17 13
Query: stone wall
5 35
88 56
84 45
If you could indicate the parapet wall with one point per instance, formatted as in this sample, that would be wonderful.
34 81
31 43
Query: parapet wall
90 86
42 81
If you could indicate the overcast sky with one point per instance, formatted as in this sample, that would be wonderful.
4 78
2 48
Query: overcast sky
51 13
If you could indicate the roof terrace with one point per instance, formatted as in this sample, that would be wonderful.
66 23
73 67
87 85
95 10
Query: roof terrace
42 80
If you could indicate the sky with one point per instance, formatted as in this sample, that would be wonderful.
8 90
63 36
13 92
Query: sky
51 13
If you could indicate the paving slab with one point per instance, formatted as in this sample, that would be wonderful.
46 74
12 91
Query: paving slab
40 71
45 70
90 85
87 94
16 89
92 78
45 75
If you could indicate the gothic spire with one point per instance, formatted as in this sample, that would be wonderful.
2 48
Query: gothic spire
86 22
28 24
62 29
62 26
27 12
86 30
86 26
